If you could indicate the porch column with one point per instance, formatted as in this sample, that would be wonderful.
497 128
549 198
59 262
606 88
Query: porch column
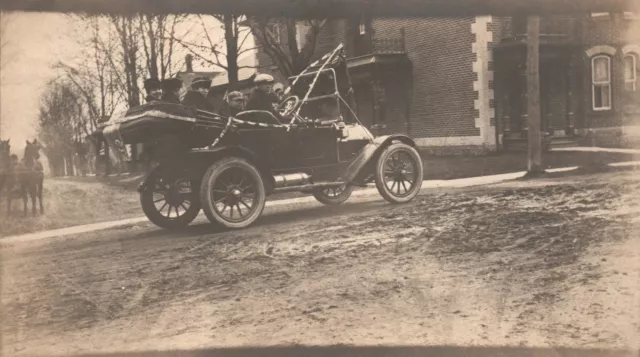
519 109
107 158
569 126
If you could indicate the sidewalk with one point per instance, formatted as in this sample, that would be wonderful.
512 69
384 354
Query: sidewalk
597 149
370 191
455 167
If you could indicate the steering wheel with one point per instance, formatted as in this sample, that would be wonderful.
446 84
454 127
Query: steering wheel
288 106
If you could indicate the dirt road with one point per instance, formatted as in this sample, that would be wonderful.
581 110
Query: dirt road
552 262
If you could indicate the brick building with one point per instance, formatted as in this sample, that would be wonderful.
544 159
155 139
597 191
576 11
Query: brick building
459 83
588 78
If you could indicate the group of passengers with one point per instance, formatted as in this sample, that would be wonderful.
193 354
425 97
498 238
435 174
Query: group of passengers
265 96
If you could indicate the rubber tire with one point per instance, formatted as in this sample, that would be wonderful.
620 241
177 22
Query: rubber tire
324 199
379 174
207 184
149 208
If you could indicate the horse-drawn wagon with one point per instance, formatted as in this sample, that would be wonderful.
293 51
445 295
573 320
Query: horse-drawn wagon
227 166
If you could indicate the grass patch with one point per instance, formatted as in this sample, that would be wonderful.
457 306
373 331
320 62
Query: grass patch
69 203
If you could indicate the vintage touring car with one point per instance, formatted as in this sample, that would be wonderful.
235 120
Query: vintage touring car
227 166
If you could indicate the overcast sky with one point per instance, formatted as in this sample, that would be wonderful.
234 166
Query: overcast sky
36 42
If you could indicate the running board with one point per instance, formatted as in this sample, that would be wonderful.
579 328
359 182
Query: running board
309 187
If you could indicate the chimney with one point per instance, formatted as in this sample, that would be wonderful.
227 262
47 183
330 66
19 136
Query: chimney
189 60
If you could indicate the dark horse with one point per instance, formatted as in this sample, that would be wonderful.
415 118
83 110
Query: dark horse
29 176
5 164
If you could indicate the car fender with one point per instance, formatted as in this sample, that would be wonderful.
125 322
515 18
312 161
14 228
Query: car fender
371 151
145 181
197 161
209 156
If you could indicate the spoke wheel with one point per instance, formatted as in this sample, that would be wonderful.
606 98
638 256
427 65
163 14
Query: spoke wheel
232 193
333 196
399 173
170 205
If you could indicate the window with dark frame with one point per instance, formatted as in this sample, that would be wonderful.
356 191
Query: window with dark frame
362 27
601 82
274 29
518 25
630 72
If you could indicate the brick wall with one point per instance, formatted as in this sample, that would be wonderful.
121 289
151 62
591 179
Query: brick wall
442 102
266 64
617 32
330 36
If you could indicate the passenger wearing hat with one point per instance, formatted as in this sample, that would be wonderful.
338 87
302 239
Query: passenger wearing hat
234 104
171 90
196 97
262 97
153 89
278 89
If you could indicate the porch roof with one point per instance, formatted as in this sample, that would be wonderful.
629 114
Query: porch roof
546 40
375 60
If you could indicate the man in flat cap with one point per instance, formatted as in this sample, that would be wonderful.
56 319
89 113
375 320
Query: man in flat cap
262 97
153 88
171 90
196 97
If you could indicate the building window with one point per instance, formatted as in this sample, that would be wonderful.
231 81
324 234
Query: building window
599 15
518 25
363 26
601 82
630 72
274 29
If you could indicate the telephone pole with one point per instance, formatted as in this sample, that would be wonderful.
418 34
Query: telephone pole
534 156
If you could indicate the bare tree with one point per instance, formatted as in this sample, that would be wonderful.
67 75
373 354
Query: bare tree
60 115
4 39
129 37
234 42
92 76
287 55
118 53
158 35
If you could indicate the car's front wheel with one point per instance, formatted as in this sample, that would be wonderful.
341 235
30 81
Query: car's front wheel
399 173
232 193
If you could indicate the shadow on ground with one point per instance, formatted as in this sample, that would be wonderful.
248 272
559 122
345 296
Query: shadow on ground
338 351
269 219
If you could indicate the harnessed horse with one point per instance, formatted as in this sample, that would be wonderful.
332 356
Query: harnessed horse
5 162
28 176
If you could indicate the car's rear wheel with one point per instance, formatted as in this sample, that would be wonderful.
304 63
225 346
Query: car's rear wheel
232 193
333 196
399 173
169 205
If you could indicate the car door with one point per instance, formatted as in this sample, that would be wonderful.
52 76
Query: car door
274 147
315 146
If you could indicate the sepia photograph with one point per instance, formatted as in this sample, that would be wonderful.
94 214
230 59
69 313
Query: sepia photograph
278 178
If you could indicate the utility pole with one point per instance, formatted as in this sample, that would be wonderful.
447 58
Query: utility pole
534 157
1 65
